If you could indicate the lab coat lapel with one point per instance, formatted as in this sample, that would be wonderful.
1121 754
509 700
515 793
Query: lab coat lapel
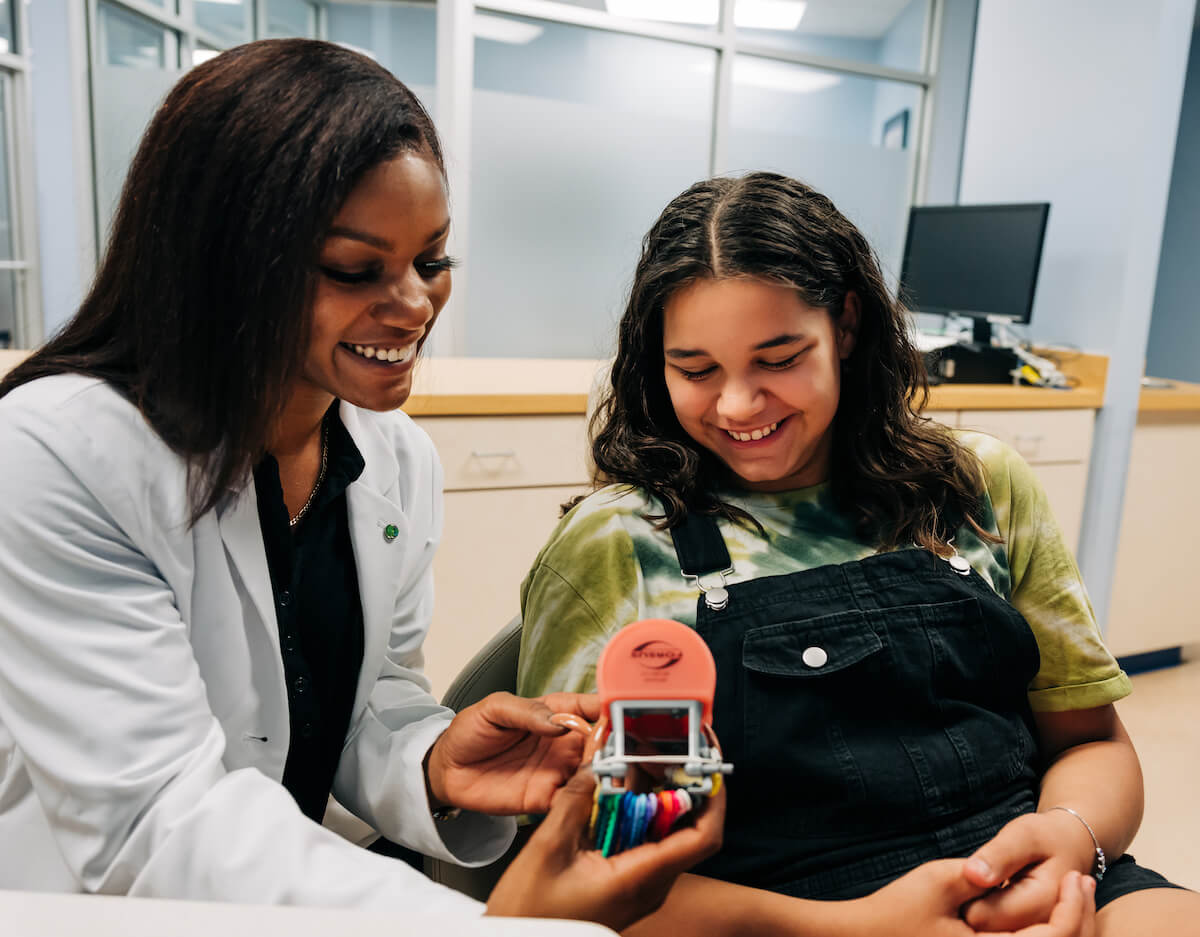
242 535
371 507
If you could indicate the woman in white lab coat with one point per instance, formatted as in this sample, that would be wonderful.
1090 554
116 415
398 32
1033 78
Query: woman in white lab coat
216 535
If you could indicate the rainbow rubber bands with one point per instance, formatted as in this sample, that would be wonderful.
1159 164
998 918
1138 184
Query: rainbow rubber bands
623 820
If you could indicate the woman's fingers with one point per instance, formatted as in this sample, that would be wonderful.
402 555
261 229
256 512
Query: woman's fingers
585 705
596 740
570 809
507 711
572 722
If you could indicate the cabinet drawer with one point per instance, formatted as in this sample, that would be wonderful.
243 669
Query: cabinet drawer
1038 435
509 451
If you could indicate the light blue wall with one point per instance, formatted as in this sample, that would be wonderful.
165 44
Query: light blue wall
1092 132
1174 347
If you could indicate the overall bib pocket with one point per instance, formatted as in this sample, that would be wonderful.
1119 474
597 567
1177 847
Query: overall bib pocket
805 689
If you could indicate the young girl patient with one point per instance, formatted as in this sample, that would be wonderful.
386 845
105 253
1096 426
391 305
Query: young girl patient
909 669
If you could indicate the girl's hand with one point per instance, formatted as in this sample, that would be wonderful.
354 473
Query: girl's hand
1023 865
559 875
927 900
507 754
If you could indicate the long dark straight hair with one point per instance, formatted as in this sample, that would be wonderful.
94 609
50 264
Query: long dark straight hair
902 477
200 310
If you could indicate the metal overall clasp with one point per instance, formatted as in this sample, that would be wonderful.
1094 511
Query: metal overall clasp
715 597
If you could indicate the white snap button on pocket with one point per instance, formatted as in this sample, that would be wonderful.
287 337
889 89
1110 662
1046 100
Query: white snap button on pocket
815 656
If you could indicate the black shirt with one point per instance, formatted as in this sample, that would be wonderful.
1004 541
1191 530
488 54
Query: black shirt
317 603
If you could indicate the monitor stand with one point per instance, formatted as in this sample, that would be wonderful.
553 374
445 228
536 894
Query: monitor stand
981 332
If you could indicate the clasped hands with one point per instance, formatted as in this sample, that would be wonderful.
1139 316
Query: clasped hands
1025 865
1024 882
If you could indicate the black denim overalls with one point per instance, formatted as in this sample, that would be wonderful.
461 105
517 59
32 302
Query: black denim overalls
875 713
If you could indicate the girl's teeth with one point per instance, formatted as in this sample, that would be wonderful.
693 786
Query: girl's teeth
756 434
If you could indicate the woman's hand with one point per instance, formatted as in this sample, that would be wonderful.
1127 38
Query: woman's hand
559 875
1031 854
507 754
927 901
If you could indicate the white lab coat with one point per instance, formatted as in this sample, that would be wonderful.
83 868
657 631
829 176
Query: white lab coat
143 712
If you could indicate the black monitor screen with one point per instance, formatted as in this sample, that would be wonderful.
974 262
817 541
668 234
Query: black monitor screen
974 260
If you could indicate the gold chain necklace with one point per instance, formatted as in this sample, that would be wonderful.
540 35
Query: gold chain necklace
293 521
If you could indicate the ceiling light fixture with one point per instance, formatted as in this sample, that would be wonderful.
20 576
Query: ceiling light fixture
748 14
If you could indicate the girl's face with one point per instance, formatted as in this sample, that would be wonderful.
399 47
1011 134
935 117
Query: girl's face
754 375
383 278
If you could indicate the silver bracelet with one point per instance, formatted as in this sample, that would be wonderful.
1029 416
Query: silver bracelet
1101 866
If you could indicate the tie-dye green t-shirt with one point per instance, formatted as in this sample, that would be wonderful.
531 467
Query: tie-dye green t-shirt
605 567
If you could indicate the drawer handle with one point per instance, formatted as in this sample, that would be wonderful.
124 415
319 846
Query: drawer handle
498 454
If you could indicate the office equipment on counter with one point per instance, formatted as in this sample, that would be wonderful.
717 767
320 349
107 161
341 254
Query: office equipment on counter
982 262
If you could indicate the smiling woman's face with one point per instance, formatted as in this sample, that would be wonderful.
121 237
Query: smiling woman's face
754 376
383 278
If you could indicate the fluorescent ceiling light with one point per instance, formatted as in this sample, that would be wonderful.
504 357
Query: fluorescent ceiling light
700 12
749 14
203 55
780 76
502 29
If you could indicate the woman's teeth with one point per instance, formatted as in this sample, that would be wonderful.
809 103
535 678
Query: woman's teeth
383 354
753 434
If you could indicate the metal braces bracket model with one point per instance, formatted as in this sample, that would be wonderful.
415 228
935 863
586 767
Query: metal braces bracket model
656 680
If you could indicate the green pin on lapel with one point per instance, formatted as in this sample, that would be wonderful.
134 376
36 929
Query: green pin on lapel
391 532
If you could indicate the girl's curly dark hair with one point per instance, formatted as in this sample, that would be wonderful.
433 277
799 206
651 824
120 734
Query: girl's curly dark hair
903 478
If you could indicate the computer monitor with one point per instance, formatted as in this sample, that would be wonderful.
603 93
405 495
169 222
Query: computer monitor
974 260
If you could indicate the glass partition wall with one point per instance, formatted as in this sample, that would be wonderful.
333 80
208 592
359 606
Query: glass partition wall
568 124
20 309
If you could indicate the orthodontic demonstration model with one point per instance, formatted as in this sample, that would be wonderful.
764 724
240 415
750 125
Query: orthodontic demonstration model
656 680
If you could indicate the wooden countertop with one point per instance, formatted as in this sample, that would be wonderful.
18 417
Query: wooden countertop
501 386
515 386
486 386
1179 397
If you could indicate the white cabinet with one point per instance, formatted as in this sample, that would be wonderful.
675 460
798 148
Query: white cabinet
1153 603
506 478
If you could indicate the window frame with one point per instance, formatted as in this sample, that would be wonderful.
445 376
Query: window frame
28 327
455 84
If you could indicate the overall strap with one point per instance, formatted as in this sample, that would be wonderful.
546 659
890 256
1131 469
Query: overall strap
700 546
